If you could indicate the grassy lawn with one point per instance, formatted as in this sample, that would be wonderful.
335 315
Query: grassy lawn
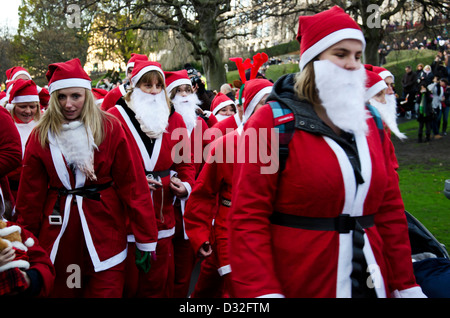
422 186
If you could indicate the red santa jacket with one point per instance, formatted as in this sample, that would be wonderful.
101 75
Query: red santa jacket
113 96
10 154
211 199
103 220
162 160
318 181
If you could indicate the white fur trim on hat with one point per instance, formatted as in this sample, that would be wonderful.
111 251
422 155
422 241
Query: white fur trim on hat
25 99
17 74
222 105
385 74
69 82
256 99
328 41
135 79
375 89
178 82
19 264
9 230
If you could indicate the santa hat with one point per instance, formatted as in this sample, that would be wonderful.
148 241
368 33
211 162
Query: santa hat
23 91
135 57
174 79
220 101
318 32
379 70
44 97
67 74
254 91
20 248
374 84
142 67
99 95
15 71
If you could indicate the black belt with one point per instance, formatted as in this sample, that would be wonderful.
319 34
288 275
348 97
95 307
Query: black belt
161 174
344 223
89 191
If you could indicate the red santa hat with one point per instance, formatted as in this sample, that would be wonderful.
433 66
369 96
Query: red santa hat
99 95
15 71
318 32
67 74
254 91
220 101
374 84
379 70
23 91
135 57
177 78
142 67
44 97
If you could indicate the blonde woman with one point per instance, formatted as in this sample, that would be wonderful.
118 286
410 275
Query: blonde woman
79 188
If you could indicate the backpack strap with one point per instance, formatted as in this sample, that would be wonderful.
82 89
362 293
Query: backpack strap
283 119
377 117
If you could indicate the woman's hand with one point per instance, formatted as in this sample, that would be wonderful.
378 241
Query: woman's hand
154 184
178 187
205 250
7 255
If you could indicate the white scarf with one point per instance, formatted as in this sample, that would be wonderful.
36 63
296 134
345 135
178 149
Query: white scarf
341 92
152 112
77 145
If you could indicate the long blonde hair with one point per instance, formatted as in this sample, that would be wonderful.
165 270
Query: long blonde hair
53 118
305 84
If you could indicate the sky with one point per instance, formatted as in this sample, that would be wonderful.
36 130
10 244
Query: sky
9 15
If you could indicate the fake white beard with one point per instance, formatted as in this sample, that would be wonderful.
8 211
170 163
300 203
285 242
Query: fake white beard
342 95
78 146
221 117
152 112
388 113
186 106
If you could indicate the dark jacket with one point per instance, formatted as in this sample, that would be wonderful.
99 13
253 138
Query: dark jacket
409 82
427 112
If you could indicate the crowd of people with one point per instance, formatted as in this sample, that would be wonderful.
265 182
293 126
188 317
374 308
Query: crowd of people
426 96
121 193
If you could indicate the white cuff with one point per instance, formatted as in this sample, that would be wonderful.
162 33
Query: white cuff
413 292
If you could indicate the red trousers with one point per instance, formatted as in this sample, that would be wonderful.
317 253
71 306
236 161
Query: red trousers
75 275
159 281
185 258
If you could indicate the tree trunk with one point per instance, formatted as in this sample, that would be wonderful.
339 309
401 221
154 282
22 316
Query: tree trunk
208 47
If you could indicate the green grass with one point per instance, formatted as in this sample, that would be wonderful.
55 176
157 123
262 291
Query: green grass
422 188
422 193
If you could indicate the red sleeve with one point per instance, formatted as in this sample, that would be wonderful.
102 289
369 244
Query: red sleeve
202 204
132 187
250 240
33 187
185 170
40 261
10 147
